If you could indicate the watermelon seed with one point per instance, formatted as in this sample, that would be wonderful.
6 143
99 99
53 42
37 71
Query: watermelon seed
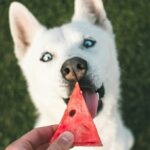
72 112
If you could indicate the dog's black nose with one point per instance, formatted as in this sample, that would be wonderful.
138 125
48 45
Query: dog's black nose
74 69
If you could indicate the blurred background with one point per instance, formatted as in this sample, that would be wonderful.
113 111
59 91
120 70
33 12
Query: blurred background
131 21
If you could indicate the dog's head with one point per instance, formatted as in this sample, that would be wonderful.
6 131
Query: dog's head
54 59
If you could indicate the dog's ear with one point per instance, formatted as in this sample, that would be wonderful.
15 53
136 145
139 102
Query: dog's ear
92 11
23 26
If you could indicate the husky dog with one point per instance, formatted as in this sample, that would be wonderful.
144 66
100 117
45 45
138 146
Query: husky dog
84 50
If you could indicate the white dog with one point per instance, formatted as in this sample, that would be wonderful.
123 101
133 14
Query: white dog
53 59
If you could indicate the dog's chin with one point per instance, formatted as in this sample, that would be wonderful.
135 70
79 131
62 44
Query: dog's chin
93 96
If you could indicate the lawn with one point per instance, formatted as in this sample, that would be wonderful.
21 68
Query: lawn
131 21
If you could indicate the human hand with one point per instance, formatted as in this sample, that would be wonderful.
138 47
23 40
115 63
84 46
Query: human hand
38 139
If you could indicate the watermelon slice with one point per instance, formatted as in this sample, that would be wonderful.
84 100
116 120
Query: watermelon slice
78 120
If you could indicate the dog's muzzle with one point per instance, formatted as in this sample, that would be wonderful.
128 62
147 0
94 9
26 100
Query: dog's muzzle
75 69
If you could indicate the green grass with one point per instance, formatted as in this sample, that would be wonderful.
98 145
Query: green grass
131 24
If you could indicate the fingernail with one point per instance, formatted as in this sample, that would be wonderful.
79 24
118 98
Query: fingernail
67 137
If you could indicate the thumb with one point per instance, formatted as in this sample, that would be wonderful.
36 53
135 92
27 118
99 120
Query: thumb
64 142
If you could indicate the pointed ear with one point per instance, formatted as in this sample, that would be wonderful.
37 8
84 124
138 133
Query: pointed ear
92 11
23 26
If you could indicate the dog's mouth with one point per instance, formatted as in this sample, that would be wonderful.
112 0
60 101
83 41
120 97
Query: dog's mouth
93 97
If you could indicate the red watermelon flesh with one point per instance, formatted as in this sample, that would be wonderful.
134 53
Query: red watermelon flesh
78 120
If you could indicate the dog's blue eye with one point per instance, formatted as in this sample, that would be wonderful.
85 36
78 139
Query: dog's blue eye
46 57
87 43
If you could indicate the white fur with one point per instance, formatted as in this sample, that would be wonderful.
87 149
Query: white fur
45 82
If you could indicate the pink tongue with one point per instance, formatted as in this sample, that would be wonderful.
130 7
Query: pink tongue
91 99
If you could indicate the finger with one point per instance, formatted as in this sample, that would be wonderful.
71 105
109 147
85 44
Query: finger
64 142
39 135
43 146
34 138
